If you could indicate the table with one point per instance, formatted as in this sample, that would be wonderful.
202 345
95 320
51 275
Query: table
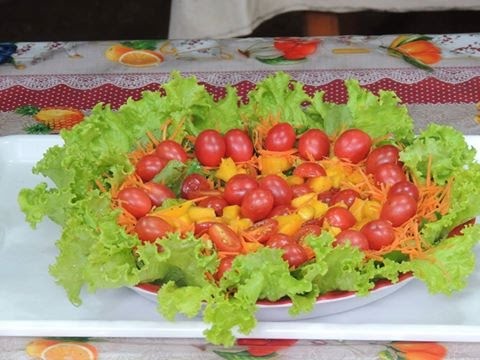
437 77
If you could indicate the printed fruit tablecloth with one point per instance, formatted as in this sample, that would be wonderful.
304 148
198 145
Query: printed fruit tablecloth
50 86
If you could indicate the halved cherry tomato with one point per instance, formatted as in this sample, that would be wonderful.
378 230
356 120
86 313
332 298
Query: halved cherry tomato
224 266
313 144
309 170
257 204
149 166
307 229
192 184
135 201
294 254
457 230
224 238
281 191
404 187
237 187
202 227
261 231
238 145
354 237
387 154
340 217
397 209
389 174
379 234
280 210
352 145
171 150
327 196
210 147
217 203
158 193
280 137
347 196
151 228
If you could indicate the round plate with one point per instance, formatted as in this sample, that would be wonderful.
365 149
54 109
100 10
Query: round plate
330 303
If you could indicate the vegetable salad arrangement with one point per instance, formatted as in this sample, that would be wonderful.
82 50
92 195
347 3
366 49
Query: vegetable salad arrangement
224 204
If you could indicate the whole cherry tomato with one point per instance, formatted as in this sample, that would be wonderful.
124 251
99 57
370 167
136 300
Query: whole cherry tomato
151 228
192 184
379 234
294 254
279 241
397 209
347 196
210 148
149 166
238 145
340 217
309 170
158 193
281 210
135 201
313 144
354 237
237 187
387 154
217 203
257 204
389 174
299 190
171 150
224 238
281 191
404 187
352 145
280 137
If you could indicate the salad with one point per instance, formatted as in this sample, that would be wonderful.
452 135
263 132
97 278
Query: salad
223 204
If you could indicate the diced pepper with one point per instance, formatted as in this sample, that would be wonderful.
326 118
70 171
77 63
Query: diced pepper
239 225
273 164
228 169
320 184
198 213
174 211
231 212
252 246
319 207
303 199
306 212
289 224
294 180
337 173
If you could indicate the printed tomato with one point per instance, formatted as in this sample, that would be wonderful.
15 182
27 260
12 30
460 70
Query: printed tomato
387 154
340 217
354 237
280 137
224 266
404 187
352 145
281 191
210 148
379 234
397 209
238 145
309 170
151 228
294 254
237 187
257 204
171 150
314 144
158 193
224 238
347 196
135 201
261 231
192 184
389 174
149 166
217 203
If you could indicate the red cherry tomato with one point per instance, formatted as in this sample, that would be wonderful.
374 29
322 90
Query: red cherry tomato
149 166
224 266
354 237
397 209
352 145
294 254
257 204
281 191
314 143
192 184
151 228
202 227
309 170
237 187
347 196
279 241
224 238
135 201
387 154
307 229
340 217
171 150
280 210
404 187
217 203
379 234
158 193
327 196
389 174
457 230
238 145
280 137
210 148
261 231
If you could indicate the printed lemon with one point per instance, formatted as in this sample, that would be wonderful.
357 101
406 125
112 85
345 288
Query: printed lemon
114 52
71 351
140 58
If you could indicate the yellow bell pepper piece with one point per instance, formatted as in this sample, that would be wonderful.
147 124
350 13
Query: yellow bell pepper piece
303 200
294 180
289 224
319 207
306 212
198 213
174 211
239 225
320 184
228 169
231 212
273 164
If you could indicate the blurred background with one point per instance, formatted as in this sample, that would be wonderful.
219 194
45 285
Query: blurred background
60 20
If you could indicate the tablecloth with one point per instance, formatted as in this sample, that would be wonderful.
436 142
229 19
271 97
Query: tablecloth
437 77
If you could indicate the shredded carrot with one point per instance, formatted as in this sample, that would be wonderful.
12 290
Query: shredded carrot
152 138
177 129
100 186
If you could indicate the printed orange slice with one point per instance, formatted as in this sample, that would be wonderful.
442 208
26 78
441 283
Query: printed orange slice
58 118
140 58
36 347
70 351
113 53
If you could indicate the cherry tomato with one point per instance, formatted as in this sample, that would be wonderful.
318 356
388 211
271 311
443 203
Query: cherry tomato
262 231
294 254
216 203
158 193
352 145
457 230
281 191
398 208
257 204
237 187
151 228
404 187
389 174
327 196
149 166
387 154
379 234
299 190
202 227
309 170
210 148
307 229
224 266
281 210
347 196
340 217
171 150
224 238
192 184
279 241
238 145
354 237
280 137
135 201
314 143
